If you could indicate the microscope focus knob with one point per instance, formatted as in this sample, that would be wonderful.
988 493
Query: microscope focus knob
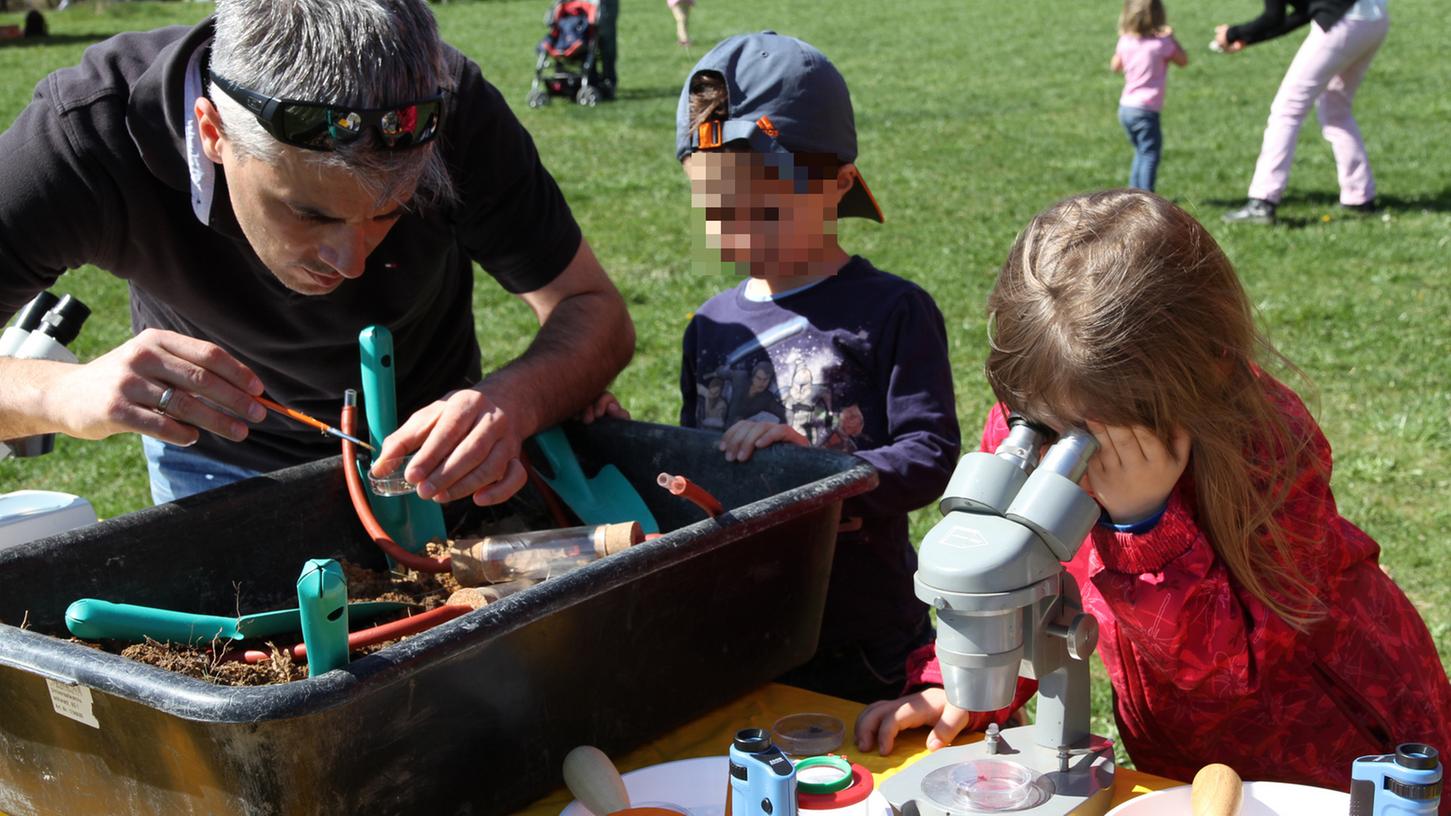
1082 636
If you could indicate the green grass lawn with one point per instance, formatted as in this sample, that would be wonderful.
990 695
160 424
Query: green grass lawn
968 124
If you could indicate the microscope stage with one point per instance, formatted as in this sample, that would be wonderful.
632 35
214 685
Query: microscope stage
1085 789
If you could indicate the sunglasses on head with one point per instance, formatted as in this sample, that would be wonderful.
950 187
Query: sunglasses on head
320 126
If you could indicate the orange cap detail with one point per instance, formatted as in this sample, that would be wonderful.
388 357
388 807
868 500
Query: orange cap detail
709 134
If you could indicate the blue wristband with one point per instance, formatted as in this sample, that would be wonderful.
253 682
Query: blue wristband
1143 525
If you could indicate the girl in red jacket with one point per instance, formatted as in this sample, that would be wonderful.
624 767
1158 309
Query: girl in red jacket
1243 620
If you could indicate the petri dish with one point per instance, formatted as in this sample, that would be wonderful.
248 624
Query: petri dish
989 785
392 483
804 735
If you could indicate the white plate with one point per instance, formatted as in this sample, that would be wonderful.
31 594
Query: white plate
696 784
1260 799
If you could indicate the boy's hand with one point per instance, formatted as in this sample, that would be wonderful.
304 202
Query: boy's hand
746 437
1133 473
605 405
878 724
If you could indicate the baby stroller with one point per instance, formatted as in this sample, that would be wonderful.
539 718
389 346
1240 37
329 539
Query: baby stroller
568 55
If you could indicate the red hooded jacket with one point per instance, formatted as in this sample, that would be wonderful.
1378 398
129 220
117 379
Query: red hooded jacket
1203 671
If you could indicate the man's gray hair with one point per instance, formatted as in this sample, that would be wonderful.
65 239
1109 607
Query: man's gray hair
360 53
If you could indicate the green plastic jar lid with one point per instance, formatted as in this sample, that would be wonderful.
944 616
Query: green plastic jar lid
826 774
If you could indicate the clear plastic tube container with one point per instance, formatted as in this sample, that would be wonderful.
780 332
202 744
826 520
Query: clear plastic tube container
479 597
538 555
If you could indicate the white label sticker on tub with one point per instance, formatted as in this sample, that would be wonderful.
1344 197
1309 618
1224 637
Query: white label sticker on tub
73 702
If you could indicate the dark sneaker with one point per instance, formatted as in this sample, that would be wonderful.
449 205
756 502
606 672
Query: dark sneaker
1255 211
1368 208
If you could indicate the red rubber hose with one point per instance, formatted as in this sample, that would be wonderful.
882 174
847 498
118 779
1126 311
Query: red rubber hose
385 542
372 636
691 492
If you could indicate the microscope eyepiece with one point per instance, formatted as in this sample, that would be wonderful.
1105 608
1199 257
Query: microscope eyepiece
1024 439
1068 457
753 740
1015 418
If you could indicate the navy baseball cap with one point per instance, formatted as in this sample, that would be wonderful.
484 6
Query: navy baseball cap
782 97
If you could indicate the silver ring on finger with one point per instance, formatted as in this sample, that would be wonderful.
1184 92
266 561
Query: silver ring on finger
165 401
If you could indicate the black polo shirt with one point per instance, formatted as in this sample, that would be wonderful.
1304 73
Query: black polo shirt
94 171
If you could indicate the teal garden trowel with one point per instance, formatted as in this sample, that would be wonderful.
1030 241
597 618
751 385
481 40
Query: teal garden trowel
409 519
93 619
604 498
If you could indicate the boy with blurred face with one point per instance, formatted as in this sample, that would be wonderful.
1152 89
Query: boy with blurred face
766 135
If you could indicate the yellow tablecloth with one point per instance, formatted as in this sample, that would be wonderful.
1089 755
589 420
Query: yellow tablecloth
711 735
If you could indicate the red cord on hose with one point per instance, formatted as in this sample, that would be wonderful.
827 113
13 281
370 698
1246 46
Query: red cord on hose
691 492
385 542
372 636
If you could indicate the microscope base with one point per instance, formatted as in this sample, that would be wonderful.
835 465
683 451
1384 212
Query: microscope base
1086 789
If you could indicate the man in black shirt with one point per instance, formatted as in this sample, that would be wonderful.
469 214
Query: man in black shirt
269 183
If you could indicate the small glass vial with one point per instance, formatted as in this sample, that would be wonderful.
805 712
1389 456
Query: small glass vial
540 554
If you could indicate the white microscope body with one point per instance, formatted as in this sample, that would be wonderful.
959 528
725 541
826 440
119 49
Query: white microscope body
993 570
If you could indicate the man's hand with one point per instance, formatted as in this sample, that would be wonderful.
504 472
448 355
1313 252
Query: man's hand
466 444
121 391
878 725
746 437
1133 473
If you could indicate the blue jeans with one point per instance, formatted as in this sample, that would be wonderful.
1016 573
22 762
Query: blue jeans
1142 126
180 472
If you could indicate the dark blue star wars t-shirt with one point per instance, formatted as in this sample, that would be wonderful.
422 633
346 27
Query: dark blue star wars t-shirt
857 363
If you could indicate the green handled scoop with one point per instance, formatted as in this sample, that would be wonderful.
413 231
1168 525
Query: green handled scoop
92 619
604 498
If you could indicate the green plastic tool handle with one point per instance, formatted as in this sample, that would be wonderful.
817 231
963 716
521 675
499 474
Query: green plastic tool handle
92 619
380 402
322 598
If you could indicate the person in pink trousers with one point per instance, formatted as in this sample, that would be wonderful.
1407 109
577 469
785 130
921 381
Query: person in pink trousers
1326 72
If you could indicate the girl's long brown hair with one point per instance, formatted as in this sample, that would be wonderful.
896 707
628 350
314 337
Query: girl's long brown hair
1119 307
1142 18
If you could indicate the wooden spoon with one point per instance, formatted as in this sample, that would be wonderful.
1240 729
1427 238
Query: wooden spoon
1217 791
594 781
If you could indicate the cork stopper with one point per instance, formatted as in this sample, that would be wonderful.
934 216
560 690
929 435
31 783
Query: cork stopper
469 566
473 597
613 538
482 596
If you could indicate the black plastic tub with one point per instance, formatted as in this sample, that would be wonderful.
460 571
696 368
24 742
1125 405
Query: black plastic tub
474 716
